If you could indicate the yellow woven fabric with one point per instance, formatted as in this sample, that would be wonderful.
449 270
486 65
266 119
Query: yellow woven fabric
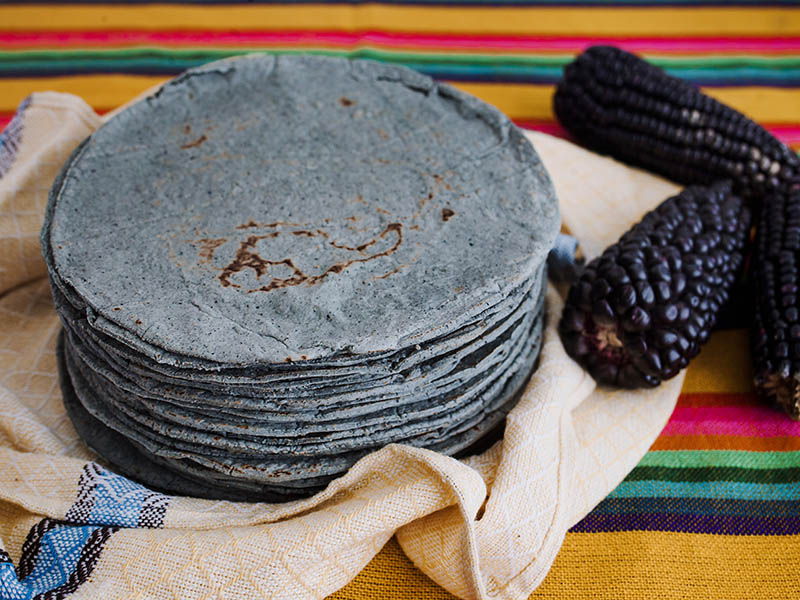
487 527
638 565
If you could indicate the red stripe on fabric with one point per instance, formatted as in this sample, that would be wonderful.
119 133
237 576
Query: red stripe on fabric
479 43
732 414
549 127
5 118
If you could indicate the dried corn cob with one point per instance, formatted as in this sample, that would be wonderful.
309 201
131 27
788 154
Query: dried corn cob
618 104
641 310
776 331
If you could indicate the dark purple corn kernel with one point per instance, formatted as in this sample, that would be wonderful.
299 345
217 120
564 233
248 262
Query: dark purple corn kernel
776 362
618 104
639 333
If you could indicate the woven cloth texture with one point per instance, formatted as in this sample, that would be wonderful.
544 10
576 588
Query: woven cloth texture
67 521
711 511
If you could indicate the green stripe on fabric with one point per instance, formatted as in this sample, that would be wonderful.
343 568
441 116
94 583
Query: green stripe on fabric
151 63
720 458
715 474
791 62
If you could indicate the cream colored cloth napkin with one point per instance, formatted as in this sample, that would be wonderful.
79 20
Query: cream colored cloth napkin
486 527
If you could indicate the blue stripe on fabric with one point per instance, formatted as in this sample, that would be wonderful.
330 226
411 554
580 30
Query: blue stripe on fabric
57 557
707 489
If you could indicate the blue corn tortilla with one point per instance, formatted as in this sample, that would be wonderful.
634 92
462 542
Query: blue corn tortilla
275 265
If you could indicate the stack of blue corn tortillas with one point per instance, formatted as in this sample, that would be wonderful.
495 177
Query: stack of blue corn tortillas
273 266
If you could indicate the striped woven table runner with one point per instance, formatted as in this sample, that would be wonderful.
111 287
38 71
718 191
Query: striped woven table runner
744 52
713 511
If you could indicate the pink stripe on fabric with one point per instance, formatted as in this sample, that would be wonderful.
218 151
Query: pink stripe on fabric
704 45
745 421
788 134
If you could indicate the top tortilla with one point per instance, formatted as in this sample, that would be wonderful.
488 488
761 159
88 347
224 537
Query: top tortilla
264 209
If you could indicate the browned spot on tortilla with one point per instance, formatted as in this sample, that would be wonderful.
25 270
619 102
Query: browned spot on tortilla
414 227
389 274
351 218
251 224
345 101
138 322
195 143
207 246
117 308
459 289
383 134
383 211
247 258
303 233
360 248
440 180
446 214
360 199
187 129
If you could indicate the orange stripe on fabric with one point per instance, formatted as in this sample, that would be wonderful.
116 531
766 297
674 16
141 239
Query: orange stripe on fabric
725 442
722 367
641 565
527 101
102 92
518 101
594 21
